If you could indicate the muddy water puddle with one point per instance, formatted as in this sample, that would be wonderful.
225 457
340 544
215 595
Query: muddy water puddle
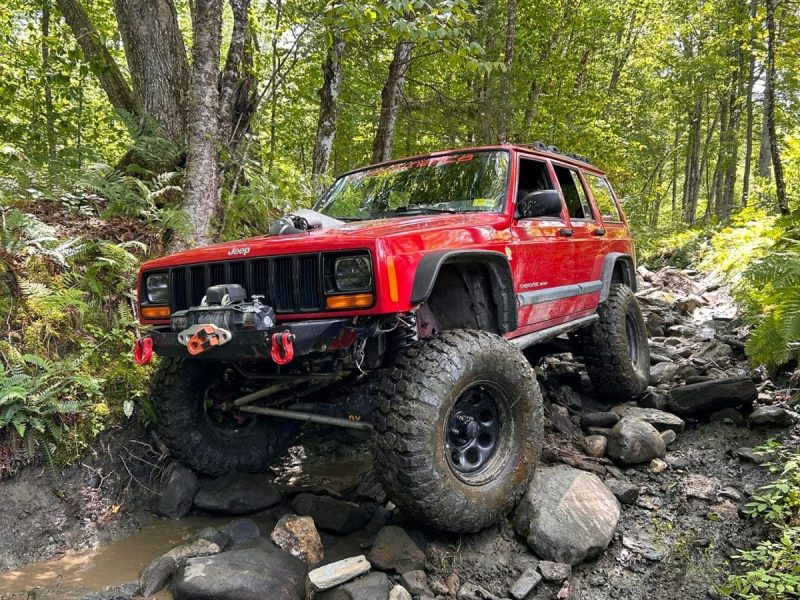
318 465
109 564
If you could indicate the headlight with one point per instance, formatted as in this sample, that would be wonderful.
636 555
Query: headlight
353 273
157 287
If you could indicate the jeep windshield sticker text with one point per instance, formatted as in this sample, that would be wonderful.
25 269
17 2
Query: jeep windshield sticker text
244 251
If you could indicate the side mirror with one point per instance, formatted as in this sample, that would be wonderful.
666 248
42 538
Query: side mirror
538 204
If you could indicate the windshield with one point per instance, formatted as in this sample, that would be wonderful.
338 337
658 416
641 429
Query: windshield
455 183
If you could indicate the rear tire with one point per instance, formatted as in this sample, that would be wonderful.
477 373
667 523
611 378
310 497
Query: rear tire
615 348
459 431
180 391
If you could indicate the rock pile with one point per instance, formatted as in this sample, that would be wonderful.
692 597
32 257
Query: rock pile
600 461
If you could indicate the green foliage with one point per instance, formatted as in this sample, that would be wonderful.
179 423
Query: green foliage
38 395
156 200
65 365
254 206
772 569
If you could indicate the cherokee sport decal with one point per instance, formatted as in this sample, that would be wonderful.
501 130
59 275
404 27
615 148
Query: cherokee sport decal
244 251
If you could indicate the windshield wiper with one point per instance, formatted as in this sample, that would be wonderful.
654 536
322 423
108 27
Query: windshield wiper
418 207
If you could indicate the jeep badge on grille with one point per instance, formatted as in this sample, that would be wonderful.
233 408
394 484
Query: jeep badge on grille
244 251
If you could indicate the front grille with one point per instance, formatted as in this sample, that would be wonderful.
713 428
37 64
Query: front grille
288 283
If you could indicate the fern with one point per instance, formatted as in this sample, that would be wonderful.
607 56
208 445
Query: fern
38 392
773 285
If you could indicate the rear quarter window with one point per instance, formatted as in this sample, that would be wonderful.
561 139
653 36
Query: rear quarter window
601 192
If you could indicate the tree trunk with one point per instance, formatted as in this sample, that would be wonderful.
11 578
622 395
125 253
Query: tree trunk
202 178
725 208
711 128
538 85
236 104
508 60
49 115
691 187
769 105
274 95
580 78
764 156
720 164
328 97
390 102
751 78
157 62
97 55
675 171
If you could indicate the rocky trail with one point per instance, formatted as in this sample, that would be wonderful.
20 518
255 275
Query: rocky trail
634 501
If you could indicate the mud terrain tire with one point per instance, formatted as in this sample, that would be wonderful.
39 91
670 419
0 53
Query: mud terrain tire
615 348
425 401
179 393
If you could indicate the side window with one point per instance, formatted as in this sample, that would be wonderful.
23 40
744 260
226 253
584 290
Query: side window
533 176
574 194
603 197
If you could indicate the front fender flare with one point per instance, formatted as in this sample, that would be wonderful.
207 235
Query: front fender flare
500 278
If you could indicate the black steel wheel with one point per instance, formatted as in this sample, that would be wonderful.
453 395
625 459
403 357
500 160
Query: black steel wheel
459 431
191 397
615 348
477 432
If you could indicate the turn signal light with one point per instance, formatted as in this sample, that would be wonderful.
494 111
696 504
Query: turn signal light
391 272
155 312
350 301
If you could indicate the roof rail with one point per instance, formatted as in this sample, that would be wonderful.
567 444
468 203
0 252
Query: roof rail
541 146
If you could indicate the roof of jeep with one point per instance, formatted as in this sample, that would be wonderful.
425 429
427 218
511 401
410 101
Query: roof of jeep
528 149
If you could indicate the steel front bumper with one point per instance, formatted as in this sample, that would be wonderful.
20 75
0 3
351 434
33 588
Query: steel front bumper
309 337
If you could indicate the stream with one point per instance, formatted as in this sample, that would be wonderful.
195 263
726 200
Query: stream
319 463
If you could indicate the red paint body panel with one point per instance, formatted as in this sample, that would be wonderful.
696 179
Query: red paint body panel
540 258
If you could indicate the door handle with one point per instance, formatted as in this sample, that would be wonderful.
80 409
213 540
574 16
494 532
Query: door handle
599 232
566 232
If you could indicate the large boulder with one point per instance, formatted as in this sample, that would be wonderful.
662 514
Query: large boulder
713 350
156 574
374 586
657 418
663 373
567 515
633 441
394 550
599 419
240 531
237 494
708 396
771 416
299 537
330 514
178 492
263 571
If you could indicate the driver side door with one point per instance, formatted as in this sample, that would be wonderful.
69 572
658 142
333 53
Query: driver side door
541 258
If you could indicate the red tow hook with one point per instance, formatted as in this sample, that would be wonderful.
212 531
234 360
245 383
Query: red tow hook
143 351
282 347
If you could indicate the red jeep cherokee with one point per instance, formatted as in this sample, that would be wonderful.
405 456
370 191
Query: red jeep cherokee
400 305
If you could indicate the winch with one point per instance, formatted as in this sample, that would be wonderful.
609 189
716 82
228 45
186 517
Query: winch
222 312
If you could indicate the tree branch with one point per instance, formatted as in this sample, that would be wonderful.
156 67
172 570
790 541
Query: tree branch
100 60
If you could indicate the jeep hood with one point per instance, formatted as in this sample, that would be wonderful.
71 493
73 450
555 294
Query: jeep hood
352 235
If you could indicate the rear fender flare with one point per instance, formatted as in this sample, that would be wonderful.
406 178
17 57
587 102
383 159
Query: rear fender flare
627 270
